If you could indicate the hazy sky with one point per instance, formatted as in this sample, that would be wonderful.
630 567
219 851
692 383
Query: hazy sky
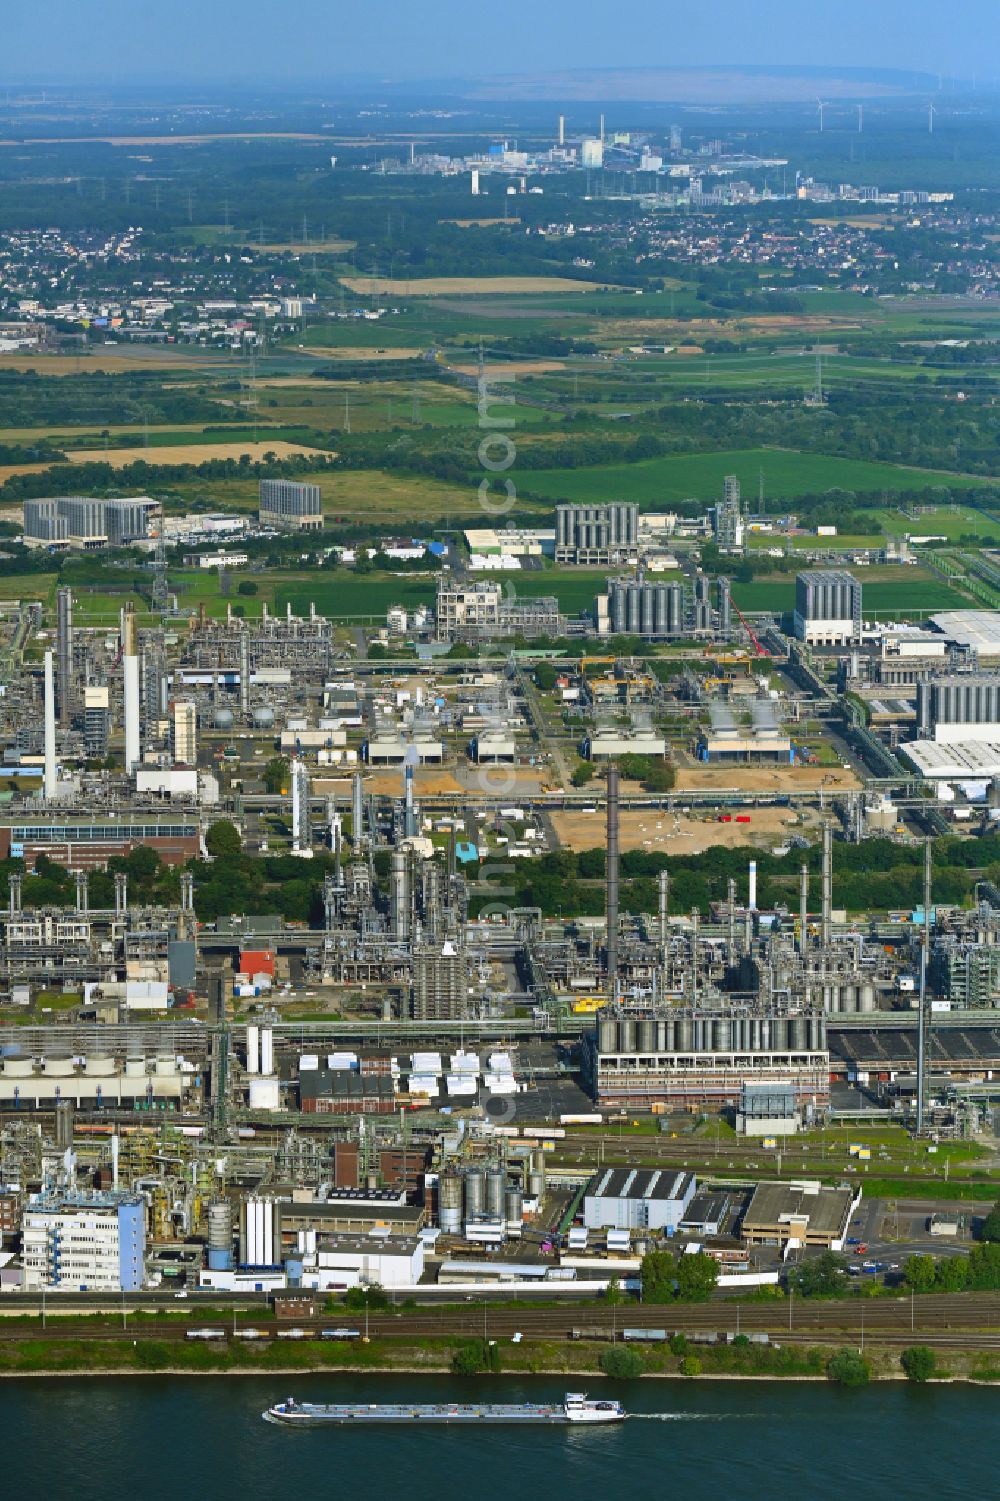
111 40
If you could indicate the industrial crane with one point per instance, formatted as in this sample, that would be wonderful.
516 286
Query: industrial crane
761 651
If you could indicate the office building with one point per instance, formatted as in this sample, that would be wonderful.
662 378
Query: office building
84 523
827 608
290 506
75 1242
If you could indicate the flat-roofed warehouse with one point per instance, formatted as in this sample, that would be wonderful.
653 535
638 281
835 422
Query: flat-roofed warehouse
968 1050
806 1213
637 1199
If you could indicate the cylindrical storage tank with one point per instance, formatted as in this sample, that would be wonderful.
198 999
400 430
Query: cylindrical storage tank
869 998
496 1182
18 1068
536 1185
263 717
741 1029
722 1035
754 1041
815 1032
647 1035
513 1208
223 719
266 1051
59 1067
779 1034
626 1035
670 1042
685 1034
607 1035
800 1034
220 1235
702 1034
450 1204
475 1192
661 1035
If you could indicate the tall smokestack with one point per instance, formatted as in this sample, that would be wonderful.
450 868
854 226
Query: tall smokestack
357 811
803 909
130 667
826 913
752 893
562 130
409 819
612 898
925 954
64 650
50 730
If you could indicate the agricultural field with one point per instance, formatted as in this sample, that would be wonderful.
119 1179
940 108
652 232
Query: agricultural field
368 496
661 483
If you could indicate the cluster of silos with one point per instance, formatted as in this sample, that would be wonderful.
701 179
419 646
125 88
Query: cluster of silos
484 1192
845 996
677 1031
220 1235
641 609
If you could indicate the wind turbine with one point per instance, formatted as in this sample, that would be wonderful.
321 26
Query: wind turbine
931 112
820 106
861 118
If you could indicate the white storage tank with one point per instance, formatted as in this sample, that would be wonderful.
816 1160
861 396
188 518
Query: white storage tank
265 1093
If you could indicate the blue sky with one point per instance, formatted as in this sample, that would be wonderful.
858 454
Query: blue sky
107 41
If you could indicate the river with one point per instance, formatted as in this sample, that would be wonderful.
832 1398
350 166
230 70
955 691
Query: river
176 1438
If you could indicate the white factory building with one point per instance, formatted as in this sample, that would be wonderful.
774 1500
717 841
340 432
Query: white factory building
638 1199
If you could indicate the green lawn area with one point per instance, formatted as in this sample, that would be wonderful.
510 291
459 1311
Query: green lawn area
913 593
661 483
349 596
573 587
952 522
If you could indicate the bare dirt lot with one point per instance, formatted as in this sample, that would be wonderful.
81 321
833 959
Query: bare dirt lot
444 286
427 781
682 835
797 779
360 352
187 453
110 361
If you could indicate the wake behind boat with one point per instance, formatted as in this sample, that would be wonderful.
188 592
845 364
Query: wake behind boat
575 1407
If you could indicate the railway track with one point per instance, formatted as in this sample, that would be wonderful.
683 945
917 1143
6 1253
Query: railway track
958 1320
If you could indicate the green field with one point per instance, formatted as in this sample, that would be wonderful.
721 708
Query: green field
911 592
661 483
573 587
952 522
342 594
